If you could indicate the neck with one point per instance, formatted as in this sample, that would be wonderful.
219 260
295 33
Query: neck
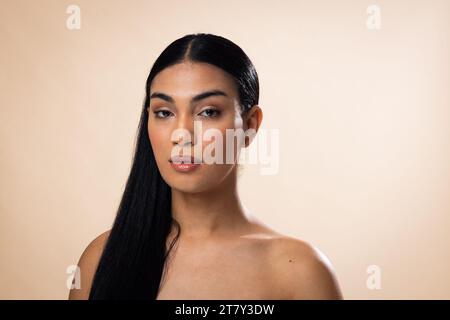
216 212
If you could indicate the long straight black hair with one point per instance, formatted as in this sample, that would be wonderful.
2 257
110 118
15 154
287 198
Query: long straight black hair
134 257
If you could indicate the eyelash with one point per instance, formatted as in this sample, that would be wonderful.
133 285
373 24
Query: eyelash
217 113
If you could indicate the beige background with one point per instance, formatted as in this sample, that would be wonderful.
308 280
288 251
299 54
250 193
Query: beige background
363 117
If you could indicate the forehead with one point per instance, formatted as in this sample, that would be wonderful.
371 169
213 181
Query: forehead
186 79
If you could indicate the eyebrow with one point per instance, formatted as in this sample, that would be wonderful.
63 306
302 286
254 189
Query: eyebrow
196 98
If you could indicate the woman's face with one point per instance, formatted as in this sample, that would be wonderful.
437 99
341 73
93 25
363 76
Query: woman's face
176 102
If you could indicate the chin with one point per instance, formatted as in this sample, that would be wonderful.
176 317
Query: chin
189 187
198 181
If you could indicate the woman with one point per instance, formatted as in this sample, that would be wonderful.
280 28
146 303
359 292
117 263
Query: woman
181 231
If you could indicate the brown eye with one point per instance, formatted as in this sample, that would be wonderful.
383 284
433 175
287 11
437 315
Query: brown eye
210 113
162 113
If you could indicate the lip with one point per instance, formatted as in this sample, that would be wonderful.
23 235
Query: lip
184 164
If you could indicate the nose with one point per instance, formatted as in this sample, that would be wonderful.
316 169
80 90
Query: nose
182 140
184 133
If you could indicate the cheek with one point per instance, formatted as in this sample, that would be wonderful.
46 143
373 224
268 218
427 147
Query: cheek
159 138
152 135
230 140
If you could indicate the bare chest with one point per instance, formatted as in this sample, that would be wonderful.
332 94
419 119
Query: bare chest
227 274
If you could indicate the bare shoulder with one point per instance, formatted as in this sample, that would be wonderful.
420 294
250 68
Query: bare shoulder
88 264
301 270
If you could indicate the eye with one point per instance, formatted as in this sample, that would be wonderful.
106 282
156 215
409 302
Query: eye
210 113
162 113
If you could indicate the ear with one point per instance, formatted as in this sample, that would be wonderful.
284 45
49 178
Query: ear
252 120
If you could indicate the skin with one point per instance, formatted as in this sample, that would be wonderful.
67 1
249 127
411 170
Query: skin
224 251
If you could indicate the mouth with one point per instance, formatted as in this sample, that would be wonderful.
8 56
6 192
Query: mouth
184 164
184 160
